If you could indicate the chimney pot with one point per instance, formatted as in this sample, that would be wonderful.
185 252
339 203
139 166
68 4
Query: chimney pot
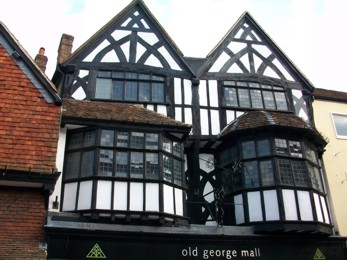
42 51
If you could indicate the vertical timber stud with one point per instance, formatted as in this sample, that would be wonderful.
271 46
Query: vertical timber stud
196 107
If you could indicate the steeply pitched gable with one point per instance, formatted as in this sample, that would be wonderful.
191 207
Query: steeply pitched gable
133 36
30 111
247 50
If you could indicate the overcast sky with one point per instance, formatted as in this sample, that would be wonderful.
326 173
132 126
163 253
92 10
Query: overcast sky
311 33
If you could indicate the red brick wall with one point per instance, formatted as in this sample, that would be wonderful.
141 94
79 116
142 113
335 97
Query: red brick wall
29 126
22 217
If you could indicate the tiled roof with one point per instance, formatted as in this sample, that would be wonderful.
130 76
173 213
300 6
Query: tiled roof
116 112
266 119
29 125
326 94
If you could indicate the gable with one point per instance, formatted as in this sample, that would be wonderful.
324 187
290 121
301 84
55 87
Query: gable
247 50
132 37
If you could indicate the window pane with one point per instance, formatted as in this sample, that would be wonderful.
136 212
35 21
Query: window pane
244 98
72 165
75 141
118 90
87 164
250 171
137 140
269 101
230 97
310 154
144 91
152 166
167 145
105 163
248 149
167 161
177 166
107 138
281 146
295 148
263 147
130 90
122 139
121 164
177 149
285 172
157 92
89 139
315 178
281 101
131 75
103 88
267 173
152 141
340 122
299 173
257 101
136 165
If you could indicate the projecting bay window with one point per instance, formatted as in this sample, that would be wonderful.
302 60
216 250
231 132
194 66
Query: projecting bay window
254 95
277 179
129 86
122 172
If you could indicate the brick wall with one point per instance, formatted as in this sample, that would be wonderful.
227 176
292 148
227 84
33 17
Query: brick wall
22 217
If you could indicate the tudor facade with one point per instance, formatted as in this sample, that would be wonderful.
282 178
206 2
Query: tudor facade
252 158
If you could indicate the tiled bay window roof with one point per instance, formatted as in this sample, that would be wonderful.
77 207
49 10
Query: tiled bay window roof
256 120
116 112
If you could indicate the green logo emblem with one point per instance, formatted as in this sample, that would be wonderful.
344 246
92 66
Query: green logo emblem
319 255
96 252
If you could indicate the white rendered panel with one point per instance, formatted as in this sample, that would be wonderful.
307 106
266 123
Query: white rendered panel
70 191
325 210
120 196
104 195
126 49
136 196
152 197
318 207
221 60
254 206
111 56
153 61
282 69
289 205
162 110
187 92
305 205
230 116
169 58
213 91
203 93
140 50
178 91
215 124
208 192
178 114
262 49
271 205
188 115
270 73
234 69
179 201
168 199
150 107
239 212
204 122
148 37
119 34
79 94
235 47
245 61
92 55
85 195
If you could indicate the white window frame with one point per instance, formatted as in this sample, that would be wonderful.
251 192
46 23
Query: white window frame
332 119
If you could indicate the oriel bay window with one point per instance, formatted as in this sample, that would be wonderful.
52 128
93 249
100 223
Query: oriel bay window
273 179
123 174
130 86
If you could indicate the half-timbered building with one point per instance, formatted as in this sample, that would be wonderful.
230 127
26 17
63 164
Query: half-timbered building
187 153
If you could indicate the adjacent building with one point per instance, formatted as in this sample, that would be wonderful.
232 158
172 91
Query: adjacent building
330 110
170 157
30 111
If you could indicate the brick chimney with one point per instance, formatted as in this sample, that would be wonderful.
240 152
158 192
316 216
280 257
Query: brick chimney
65 47
41 59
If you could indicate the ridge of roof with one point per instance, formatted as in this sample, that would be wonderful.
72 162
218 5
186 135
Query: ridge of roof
28 61
117 112
330 95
